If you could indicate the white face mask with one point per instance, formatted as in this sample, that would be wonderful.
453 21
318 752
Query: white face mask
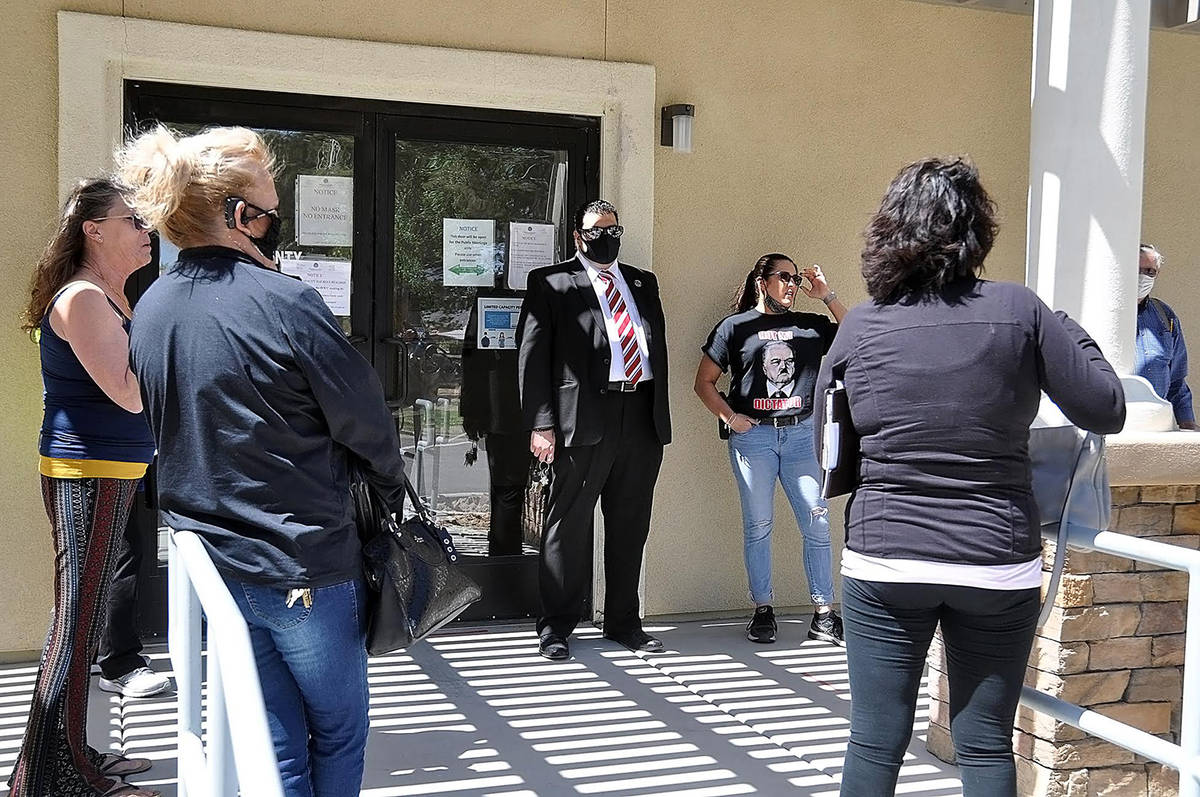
1145 285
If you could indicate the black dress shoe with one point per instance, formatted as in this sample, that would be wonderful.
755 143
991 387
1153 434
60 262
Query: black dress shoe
553 647
636 640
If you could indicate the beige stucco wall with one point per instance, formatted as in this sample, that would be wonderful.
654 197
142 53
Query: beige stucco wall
805 109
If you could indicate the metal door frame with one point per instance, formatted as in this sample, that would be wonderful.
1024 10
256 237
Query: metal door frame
374 124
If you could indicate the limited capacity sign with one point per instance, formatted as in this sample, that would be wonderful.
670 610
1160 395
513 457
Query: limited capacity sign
497 323
324 210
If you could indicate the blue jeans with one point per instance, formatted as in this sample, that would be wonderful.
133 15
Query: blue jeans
761 456
312 663
987 635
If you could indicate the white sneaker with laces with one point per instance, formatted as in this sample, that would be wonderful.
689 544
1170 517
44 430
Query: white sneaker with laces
142 682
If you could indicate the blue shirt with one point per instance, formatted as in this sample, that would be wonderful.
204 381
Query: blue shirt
259 404
1162 356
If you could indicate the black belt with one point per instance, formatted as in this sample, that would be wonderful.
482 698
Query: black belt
626 387
783 420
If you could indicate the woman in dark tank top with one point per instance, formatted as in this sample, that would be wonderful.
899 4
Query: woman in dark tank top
94 447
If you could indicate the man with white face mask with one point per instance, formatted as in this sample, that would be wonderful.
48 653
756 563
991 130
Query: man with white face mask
1161 352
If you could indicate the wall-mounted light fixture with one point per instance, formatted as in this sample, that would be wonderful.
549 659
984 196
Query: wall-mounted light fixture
677 126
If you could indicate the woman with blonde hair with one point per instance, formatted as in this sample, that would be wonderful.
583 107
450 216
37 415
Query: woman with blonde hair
95 447
259 403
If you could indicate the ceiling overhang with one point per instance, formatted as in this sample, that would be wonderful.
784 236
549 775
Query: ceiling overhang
1177 15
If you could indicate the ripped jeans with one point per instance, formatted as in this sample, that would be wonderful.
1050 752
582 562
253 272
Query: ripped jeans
760 456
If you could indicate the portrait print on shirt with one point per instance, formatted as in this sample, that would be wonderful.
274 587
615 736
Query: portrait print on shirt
772 360
776 388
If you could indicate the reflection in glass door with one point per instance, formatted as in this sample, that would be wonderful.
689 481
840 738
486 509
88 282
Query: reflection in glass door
472 213
464 387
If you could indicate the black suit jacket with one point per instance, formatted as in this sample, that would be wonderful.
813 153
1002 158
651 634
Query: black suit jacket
564 351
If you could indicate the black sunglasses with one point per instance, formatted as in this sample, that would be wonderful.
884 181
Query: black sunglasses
594 233
231 203
137 221
786 277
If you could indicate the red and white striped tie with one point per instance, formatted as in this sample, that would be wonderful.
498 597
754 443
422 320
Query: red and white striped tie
630 351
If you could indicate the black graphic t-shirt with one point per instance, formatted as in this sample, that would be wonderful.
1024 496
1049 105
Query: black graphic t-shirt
772 360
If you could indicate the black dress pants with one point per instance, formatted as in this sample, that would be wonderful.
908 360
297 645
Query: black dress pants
508 461
120 650
620 471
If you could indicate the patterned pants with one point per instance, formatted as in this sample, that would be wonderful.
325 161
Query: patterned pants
86 515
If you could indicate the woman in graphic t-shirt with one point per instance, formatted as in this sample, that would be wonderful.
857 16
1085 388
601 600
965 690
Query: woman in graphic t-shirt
773 354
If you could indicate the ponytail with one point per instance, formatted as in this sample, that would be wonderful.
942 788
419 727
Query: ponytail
746 297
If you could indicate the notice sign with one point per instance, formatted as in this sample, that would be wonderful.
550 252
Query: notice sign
331 278
498 323
324 210
467 250
530 246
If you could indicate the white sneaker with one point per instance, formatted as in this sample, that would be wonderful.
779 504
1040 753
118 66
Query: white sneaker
142 682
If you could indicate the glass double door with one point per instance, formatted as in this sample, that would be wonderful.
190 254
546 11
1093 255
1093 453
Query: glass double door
417 224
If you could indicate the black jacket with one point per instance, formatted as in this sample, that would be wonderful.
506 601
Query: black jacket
564 351
942 391
258 401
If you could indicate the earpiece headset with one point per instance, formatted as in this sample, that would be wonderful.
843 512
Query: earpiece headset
231 203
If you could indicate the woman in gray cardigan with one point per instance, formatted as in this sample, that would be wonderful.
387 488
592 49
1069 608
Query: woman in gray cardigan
944 372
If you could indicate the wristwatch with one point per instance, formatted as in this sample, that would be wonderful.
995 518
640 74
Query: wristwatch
830 297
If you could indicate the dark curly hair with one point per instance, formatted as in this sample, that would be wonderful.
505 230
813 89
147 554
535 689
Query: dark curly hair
935 226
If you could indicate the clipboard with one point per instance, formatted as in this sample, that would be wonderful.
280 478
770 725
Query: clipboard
840 453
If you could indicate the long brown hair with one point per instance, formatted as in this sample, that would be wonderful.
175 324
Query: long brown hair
89 199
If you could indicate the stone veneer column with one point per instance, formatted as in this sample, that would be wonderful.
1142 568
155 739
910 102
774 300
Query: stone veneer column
1113 643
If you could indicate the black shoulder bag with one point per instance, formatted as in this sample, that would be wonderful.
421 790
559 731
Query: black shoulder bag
411 568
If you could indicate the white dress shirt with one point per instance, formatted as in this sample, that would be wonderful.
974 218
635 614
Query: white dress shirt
616 364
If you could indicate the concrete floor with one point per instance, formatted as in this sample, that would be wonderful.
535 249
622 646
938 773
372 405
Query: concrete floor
477 712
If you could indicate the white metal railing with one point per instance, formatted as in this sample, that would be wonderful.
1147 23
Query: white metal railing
239 750
1185 756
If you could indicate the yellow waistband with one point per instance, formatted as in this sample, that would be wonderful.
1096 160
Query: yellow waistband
57 468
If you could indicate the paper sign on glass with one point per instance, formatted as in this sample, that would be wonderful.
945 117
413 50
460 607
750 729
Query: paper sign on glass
331 278
530 246
324 210
498 323
468 247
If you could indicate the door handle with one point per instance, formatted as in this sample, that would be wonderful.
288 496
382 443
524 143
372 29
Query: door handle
399 389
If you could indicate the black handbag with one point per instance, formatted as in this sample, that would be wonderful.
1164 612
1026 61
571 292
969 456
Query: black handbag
411 569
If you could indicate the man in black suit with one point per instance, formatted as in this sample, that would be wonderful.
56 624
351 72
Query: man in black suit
593 378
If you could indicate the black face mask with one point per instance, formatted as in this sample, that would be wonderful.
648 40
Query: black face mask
603 250
773 305
268 242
